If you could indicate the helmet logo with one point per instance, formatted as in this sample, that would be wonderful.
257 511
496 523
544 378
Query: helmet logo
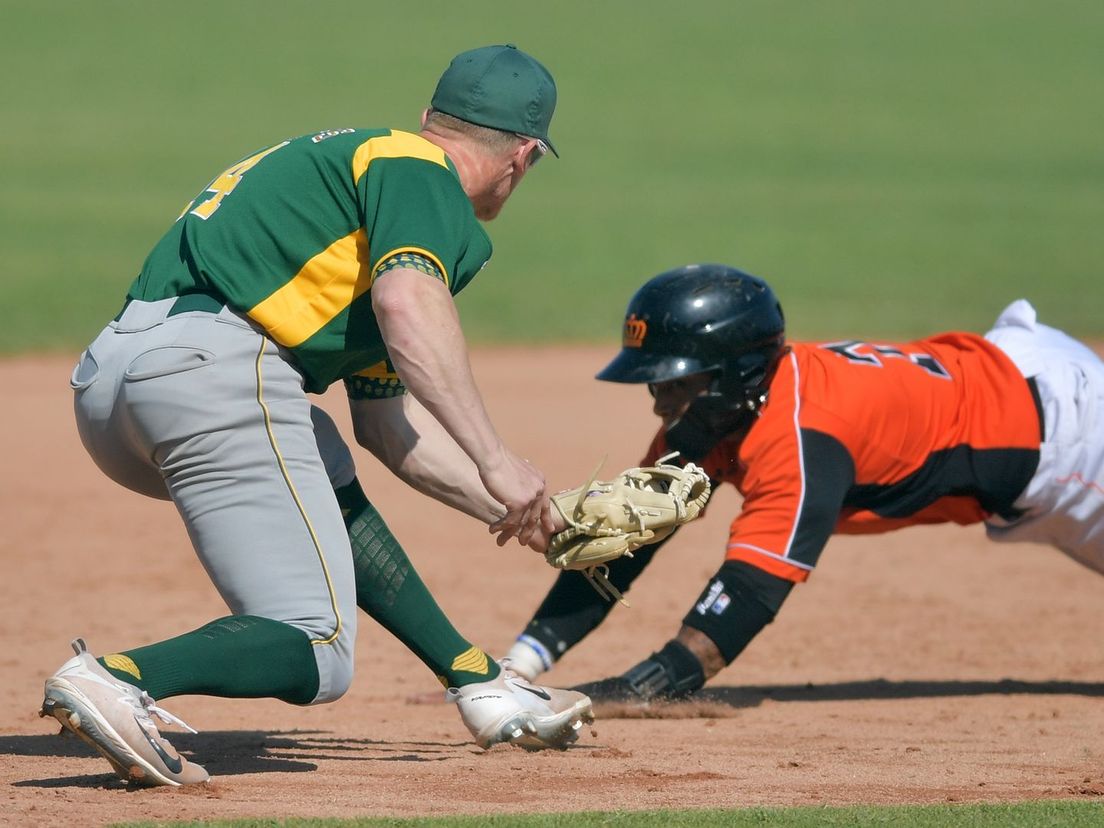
635 331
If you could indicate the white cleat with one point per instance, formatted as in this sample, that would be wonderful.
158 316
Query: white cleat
510 709
116 719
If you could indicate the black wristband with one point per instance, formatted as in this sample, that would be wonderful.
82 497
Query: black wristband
672 673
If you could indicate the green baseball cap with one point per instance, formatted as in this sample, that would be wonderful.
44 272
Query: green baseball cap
500 87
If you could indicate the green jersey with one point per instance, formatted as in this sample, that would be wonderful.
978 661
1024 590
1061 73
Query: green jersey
294 235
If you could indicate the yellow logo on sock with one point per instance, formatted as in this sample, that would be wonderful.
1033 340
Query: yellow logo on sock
472 660
117 661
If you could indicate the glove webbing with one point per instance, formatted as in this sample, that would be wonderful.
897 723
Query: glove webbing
598 576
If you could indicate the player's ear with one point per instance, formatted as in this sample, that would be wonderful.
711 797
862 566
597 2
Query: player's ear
532 150
519 158
425 116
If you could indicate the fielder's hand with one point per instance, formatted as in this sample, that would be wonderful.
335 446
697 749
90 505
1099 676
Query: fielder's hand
520 487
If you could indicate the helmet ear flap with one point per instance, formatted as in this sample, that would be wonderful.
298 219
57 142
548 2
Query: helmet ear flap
748 372
731 405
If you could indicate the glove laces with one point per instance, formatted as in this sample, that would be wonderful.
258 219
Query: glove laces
598 577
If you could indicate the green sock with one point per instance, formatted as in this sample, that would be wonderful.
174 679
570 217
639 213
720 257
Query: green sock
390 590
238 657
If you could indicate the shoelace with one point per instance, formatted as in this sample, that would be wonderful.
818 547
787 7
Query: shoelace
142 703
148 706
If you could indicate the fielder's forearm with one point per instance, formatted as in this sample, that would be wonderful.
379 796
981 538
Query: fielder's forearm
419 323
421 329
407 439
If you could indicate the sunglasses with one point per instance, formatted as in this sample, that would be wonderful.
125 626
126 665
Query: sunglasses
539 151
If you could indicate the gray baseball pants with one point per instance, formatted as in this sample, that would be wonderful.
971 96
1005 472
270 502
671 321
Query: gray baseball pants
203 409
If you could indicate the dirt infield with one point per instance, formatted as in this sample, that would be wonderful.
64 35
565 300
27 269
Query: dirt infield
925 666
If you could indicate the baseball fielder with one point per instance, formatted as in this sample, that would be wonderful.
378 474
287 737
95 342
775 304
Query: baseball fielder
849 437
331 256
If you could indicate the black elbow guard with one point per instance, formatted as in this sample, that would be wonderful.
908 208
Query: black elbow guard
738 602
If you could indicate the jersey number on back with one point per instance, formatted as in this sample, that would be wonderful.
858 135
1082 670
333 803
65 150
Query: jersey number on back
863 353
225 184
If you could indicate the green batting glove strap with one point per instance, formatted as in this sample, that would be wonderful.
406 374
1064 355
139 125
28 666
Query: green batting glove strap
672 673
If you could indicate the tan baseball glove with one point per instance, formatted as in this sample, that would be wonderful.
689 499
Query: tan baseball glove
608 519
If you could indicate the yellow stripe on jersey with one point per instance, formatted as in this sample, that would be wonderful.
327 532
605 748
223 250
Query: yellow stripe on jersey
329 282
396 145
380 371
325 286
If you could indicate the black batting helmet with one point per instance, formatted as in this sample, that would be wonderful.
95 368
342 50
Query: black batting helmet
703 318
698 318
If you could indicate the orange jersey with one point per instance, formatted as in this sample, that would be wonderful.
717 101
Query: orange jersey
860 437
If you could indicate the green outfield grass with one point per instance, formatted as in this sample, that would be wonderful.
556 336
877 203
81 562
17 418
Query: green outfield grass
1063 814
891 167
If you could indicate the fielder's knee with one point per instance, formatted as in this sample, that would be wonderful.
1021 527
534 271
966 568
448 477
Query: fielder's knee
335 665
